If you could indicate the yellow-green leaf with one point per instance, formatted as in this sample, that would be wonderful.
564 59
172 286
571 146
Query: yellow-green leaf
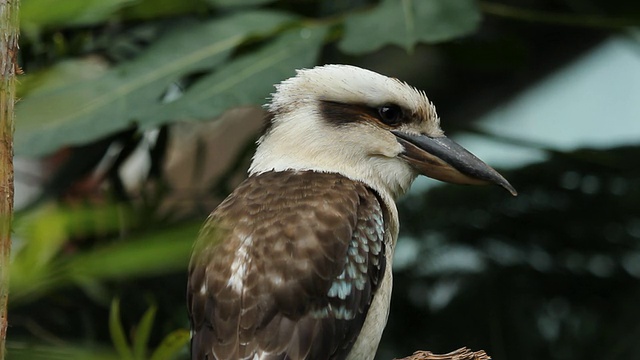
171 345
117 332
141 337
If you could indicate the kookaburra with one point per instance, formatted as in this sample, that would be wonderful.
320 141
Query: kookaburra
296 262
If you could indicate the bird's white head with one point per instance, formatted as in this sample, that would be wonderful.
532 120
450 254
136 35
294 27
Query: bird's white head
365 126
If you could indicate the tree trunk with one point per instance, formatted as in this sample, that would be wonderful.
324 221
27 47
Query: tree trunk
9 30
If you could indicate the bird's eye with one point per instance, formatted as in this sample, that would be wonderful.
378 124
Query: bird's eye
390 114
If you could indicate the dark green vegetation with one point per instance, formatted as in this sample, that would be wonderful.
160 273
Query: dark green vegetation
100 259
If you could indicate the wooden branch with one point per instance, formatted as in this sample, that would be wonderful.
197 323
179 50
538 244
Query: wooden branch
460 354
9 30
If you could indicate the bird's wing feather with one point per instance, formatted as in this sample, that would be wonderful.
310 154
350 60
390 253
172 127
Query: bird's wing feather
286 268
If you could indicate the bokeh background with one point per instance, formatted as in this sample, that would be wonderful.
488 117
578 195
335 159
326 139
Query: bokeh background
138 116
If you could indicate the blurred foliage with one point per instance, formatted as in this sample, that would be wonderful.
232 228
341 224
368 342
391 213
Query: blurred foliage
37 14
79 111
406 23
135 91
550 274
171 344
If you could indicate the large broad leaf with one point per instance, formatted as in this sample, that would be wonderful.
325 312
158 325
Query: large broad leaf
66 73
149 9
83 111
238 2
247 80
408 22
35 14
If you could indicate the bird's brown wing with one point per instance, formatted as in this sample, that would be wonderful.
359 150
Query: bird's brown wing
286 268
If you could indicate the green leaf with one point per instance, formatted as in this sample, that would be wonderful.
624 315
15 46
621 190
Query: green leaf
141 339
406 22
246 80
238 2
84 111
46 230
150 9
21 350
35 14
159 252
65 73
171 345
117 332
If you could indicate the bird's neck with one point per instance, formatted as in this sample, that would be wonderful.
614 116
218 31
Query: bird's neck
388 184
285 149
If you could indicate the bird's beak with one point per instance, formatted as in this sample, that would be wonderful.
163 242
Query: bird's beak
443 159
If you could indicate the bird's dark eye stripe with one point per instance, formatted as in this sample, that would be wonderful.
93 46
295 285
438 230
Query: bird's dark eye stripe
341 113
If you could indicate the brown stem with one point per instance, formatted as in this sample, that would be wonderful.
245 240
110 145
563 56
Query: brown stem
460 354
9 30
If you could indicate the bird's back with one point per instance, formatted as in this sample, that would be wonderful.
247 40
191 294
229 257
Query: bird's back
286 268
